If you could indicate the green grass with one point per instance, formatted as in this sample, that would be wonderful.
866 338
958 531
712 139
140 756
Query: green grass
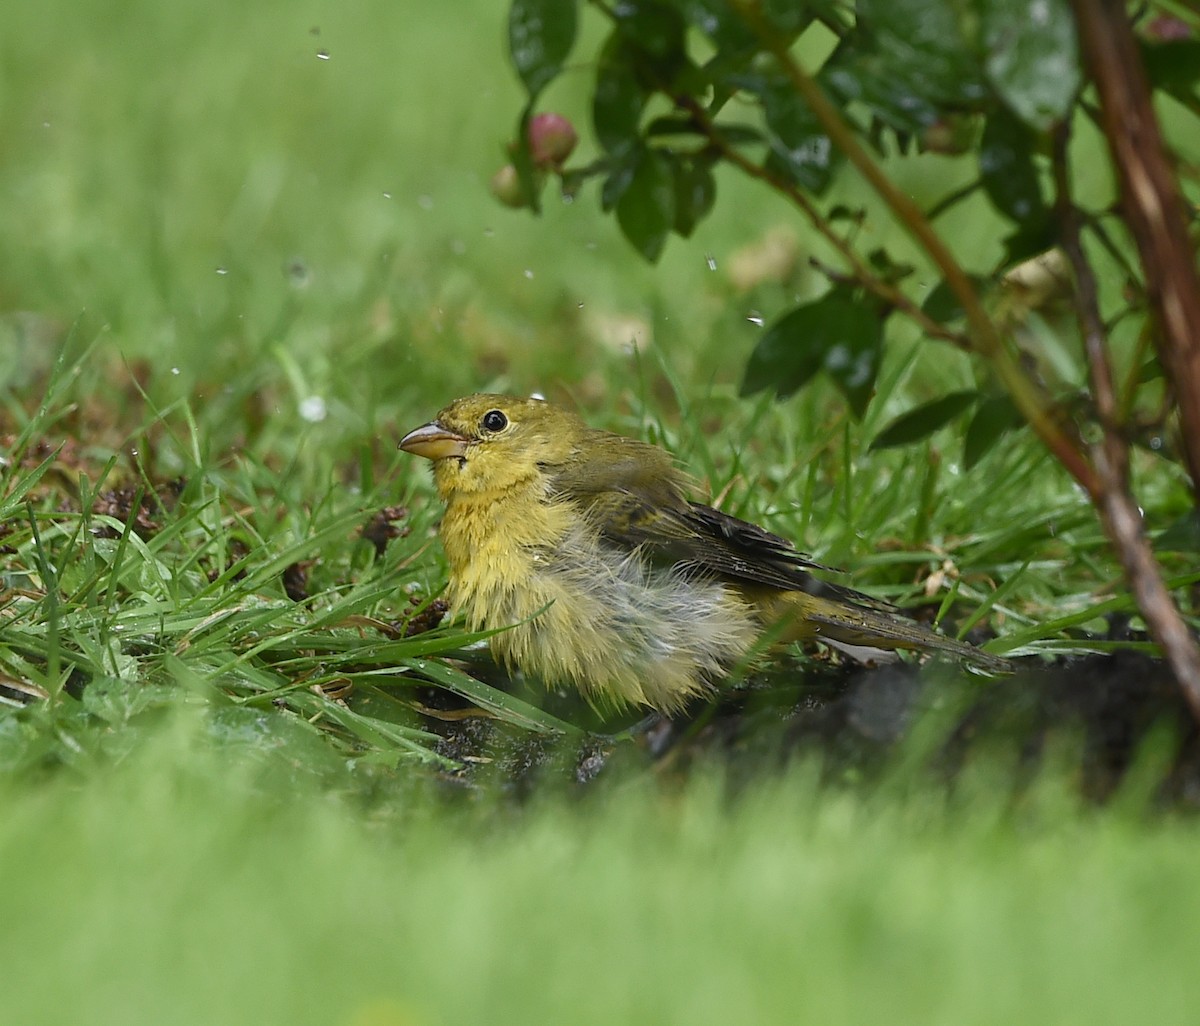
233 274
199 882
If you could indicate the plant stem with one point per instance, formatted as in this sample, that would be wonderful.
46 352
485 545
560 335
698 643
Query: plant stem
1034 405
1151 204
861 273
1110 456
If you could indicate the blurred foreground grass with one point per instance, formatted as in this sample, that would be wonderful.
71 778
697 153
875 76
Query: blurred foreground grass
200 882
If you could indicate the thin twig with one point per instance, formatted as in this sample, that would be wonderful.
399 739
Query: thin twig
1029 398
862 274
1110 456
1151 204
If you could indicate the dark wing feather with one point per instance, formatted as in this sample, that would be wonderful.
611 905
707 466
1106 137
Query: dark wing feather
636 497
744 552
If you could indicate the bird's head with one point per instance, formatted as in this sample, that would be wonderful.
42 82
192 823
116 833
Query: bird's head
485 442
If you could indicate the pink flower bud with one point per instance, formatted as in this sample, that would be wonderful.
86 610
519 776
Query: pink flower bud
506 187
551 139
1167 28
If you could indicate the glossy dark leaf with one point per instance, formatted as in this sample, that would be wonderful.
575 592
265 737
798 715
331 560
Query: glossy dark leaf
727 30
1151 370
787 16
853 77
853 360
1007 169
1173 66
654 27
618 99
943 305
798 146
646 209
994 418
620 177
1031 57
922 421
907 60
887 268
837 333
1030 239
1181 536
540 36
731 133
695 193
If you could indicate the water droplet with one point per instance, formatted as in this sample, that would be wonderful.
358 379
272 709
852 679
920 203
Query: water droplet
755 318
175 371
387 195
580 304
425 202
568 199
711 261
323 55
298 274
313 409
222 270
528 274
1156 443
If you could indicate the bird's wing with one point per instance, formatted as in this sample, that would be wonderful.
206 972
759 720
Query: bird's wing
744 552
636 498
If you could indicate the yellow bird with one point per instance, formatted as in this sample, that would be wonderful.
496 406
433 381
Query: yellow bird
584 545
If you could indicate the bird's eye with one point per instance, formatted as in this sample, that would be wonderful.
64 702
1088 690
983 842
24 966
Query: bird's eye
494 420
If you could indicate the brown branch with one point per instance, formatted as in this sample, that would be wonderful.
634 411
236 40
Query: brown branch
1029 398
1151 204
1110 456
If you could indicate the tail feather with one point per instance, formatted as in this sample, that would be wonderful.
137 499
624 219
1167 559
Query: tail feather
859 625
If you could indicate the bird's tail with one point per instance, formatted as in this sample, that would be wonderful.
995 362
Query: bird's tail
820 618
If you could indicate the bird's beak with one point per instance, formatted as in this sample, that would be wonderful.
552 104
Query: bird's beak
434 442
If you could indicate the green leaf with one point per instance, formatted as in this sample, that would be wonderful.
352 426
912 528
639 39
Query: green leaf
653 27
646 209
733 134
1007 170
1150 370
728 31
994 417
1031 57
1031 238
798 146
908 60
618 99
1173 66
695 193
922 421
853 362
943 305
1181 536
540 36
837 333
620 177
